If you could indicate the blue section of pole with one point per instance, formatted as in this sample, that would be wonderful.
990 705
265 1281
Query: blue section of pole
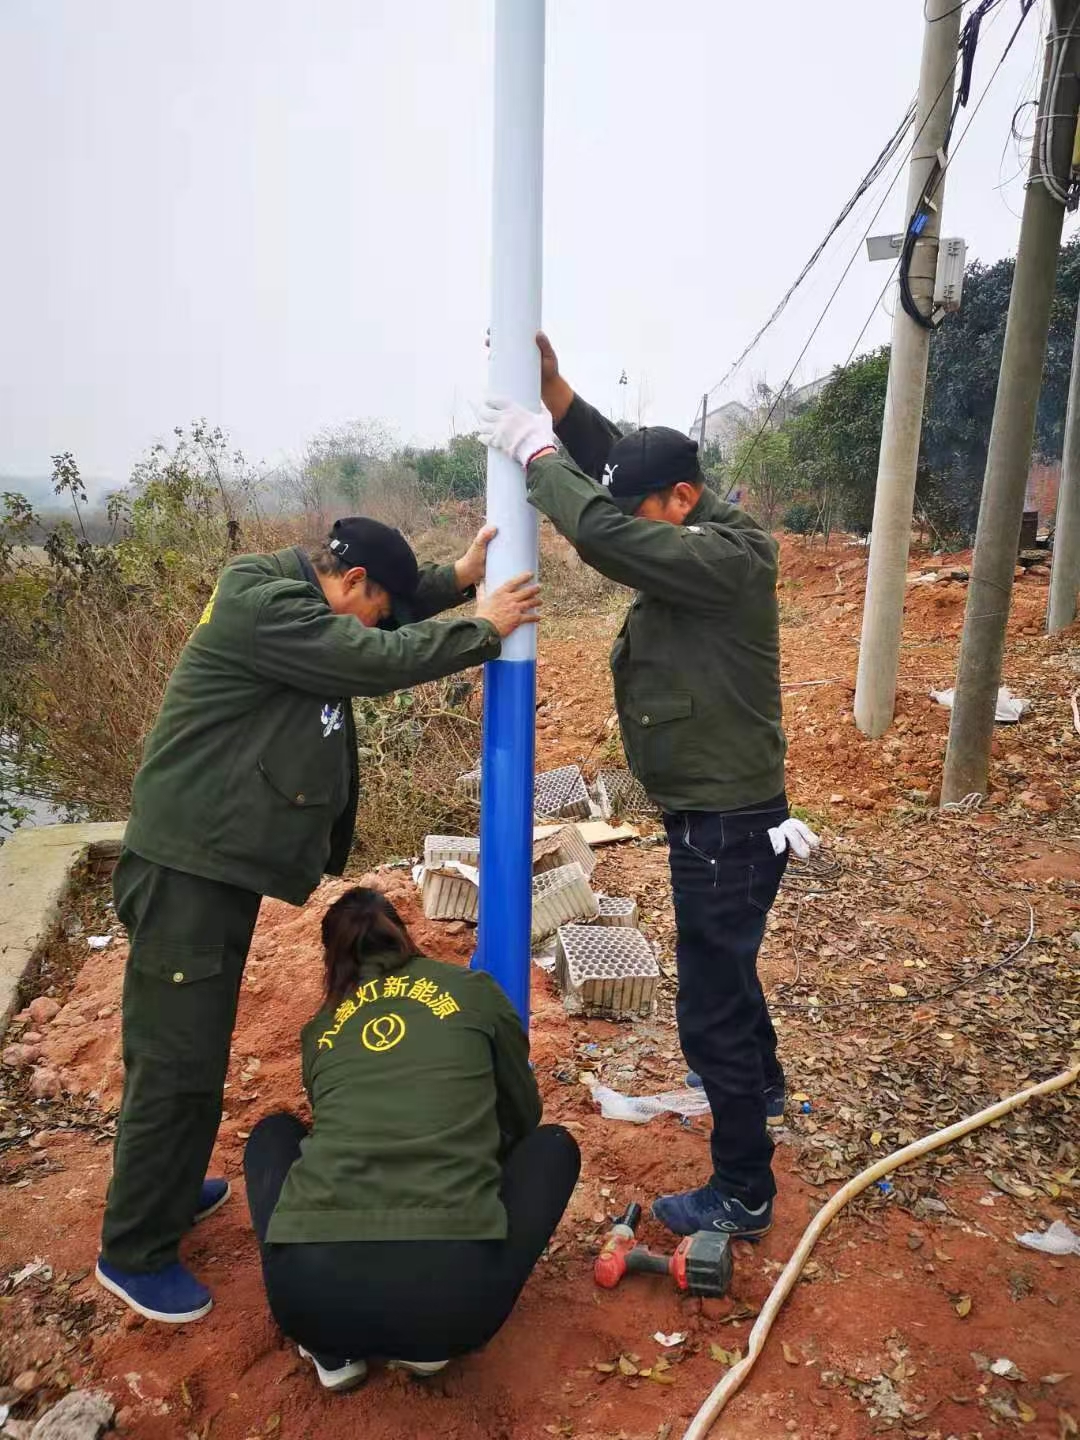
506 827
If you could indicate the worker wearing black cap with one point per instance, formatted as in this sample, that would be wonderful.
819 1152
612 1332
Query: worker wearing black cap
248 787
696 668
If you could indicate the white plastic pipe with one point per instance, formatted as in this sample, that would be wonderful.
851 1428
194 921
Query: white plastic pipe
707 1416
516 271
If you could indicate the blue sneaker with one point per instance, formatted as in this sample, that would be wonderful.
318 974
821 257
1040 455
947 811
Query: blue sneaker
775 1101
775 1098
212 1196
710 1209
172 1295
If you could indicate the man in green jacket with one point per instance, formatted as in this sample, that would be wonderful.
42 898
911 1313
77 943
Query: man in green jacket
696 669
248 787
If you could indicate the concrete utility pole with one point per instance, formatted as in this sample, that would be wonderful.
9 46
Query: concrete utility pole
1009 457
1065 569
704 417
890 537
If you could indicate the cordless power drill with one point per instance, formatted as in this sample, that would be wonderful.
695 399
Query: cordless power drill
701 1265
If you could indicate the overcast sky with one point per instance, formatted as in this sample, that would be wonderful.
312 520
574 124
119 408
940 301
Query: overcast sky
275 213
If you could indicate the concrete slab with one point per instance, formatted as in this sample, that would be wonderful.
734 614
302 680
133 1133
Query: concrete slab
35 873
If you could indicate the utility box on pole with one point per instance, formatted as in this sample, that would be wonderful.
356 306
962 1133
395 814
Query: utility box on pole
949 282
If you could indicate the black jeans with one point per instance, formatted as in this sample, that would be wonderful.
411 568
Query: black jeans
724 879
406 1299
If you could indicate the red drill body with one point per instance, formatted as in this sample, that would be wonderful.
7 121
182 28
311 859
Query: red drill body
701 1265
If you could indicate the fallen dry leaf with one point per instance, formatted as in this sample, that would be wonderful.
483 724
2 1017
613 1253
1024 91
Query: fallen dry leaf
789 1354
963 1306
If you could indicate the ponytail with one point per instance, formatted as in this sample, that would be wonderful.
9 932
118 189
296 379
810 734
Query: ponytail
360 924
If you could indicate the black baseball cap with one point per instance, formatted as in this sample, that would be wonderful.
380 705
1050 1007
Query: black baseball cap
383 552
652 458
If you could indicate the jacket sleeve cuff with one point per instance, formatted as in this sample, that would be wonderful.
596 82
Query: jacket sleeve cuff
492 639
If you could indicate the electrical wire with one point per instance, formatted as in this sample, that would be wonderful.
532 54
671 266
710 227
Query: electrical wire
884 156
969 42
872 1002
1046 130
873 174
1027 5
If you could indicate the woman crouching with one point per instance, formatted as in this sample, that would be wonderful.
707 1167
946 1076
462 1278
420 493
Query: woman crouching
406 1222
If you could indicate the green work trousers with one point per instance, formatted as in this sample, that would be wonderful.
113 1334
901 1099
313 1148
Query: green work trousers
189 940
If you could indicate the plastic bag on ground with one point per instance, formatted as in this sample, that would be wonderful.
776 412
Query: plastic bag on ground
1058 1240
1009 706
640 1109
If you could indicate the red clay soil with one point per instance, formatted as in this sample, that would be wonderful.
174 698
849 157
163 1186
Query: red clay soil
881 1333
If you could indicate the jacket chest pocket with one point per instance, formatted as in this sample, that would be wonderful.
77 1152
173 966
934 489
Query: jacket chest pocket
654 732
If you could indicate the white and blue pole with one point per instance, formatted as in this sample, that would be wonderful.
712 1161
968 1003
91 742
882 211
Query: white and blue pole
508 753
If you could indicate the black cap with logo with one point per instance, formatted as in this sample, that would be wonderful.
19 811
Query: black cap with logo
383 552
652 458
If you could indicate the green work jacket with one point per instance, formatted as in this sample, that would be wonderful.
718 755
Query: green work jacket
696 665
419 1084
250 774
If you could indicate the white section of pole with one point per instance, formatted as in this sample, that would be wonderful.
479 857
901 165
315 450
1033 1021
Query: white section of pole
516 279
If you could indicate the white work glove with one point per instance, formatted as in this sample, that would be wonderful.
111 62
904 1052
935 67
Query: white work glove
796 836
507 426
